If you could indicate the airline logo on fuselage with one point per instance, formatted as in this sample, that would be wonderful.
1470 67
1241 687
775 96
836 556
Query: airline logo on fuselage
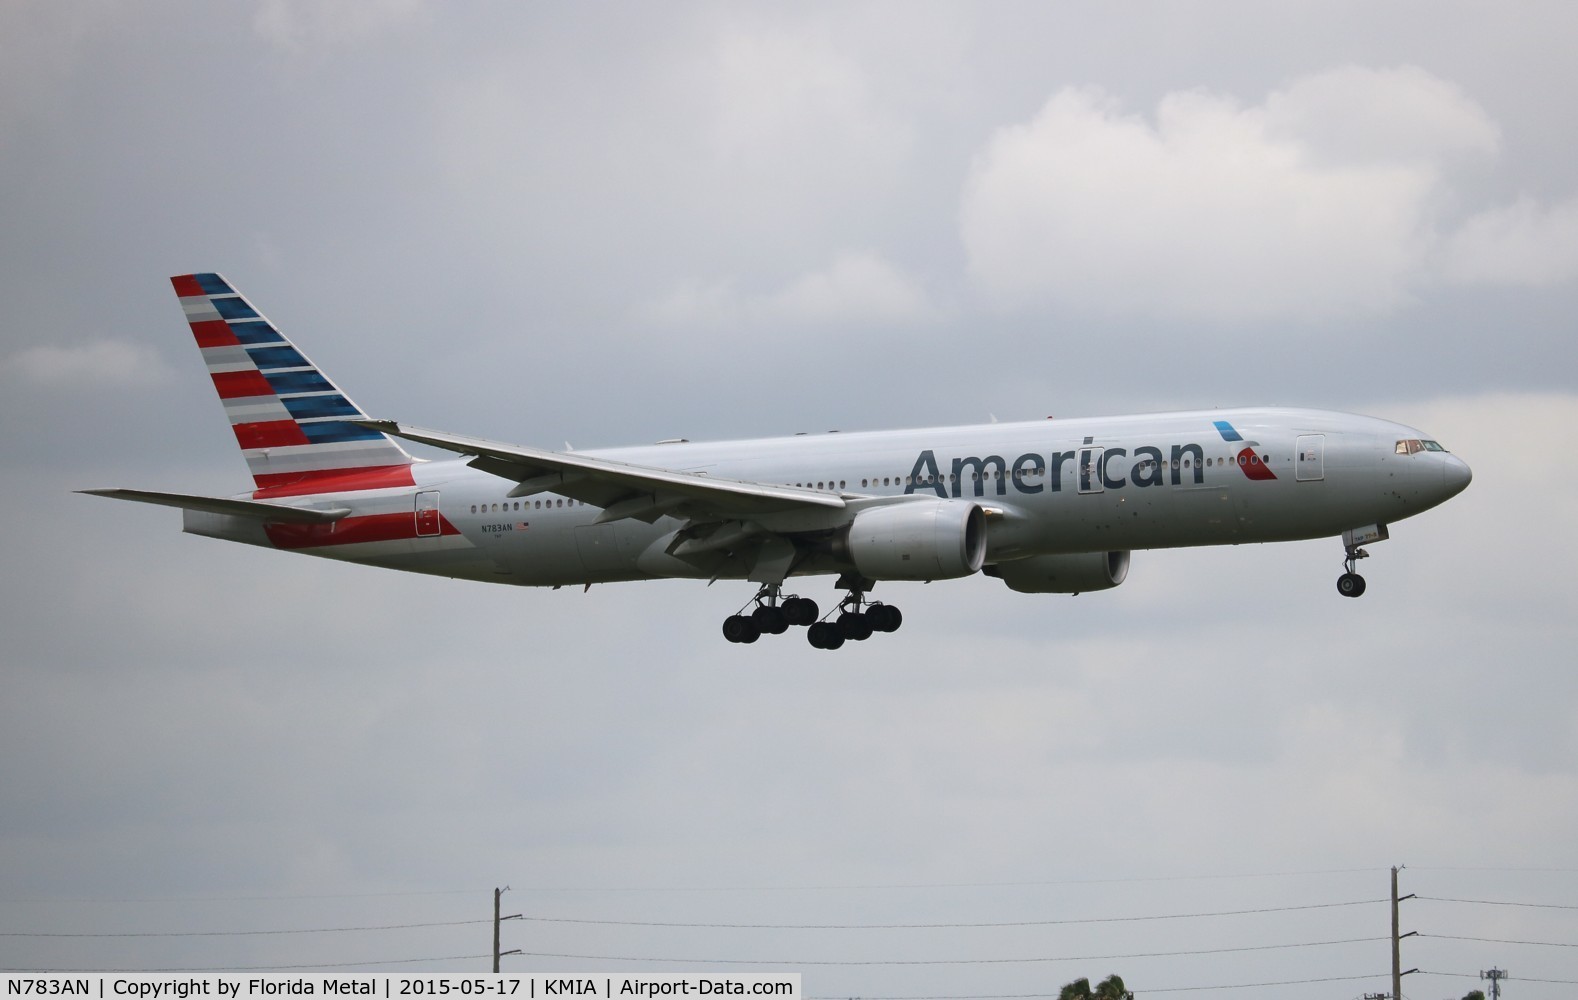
1090 469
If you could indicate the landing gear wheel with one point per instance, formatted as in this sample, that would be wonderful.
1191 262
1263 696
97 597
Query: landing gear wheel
801 610
771 620
1350 585
738 628
824 635
854 625
884 617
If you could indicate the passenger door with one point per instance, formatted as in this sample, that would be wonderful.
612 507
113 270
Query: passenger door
1310 463
427 522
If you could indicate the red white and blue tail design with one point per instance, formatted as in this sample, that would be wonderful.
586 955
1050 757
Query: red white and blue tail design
291 422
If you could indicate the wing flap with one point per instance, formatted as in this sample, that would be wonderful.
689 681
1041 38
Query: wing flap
257 510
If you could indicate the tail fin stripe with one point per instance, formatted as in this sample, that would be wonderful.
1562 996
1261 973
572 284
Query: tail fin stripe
255 410
213 333
294 484
212 284
186 286
234 308
307 407
200 311
298 383
273 434
283 356
233 385
338 430
251 333
227 358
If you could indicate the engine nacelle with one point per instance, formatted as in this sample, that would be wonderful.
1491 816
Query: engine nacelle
917 540
1073 573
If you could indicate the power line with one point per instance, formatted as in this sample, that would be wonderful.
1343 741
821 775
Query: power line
951 961
1541 944
947 926
1117 880
1521 979
1499 902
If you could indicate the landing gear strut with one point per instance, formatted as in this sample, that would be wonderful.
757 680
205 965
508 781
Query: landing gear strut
771 616
1351 584
856 619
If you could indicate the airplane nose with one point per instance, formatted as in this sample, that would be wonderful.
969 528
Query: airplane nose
1455 475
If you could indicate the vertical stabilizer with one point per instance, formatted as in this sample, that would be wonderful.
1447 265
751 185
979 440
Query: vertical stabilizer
291 422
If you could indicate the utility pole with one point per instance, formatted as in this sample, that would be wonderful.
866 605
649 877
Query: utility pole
1397 941
1495 976
497 895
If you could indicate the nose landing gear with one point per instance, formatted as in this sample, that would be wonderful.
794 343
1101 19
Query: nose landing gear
1351 584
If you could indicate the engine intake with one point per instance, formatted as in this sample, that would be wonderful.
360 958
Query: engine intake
1073 573
917 540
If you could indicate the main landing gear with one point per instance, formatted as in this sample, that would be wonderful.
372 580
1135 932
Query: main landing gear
854 618
853 622
771 615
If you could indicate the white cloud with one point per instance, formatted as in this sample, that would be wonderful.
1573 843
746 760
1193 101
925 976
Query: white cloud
1322 202
97 363
1356 114
857 288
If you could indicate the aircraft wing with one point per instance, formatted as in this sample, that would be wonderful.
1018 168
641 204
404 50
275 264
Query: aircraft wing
258 510
621 489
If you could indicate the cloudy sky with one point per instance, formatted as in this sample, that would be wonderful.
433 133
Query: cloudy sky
609 224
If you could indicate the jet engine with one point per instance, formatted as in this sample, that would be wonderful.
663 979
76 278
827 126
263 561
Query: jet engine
1073 573
917 540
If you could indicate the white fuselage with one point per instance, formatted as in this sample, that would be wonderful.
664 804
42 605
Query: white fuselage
1207 477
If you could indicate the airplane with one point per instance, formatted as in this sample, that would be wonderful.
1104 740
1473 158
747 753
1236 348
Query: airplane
1047 507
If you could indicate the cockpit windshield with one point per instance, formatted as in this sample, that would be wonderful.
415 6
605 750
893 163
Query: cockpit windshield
1413 446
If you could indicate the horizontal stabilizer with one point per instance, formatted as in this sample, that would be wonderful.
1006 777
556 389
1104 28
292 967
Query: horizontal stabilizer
274 513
